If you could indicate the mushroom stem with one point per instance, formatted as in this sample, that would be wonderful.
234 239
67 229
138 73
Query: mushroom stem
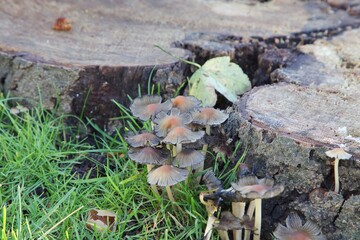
223 235
257 219
209 227
250 213
204 150
205 147
154 187
169 193
178 148
149 167
238 209
336 173
207 129
174 152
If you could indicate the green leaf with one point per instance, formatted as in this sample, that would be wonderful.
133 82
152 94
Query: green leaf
221 75
201 89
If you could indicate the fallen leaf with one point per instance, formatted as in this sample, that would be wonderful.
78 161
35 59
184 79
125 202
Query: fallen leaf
101 220
62 24
221 75
14 111
18 109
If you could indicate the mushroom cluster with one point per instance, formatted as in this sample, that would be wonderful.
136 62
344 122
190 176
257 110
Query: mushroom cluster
250 187
247 194
167 148
247 191
228 221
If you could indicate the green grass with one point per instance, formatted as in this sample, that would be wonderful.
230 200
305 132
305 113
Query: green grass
41 197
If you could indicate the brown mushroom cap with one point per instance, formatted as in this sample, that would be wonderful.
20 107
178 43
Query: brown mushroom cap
165 122
167 175
252 187
338 153
209 116
228 222
188 157
247 222
186 103
211 181
142 139
147 106
182 135
148 155
296 230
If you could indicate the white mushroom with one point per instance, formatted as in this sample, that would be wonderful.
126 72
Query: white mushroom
338 154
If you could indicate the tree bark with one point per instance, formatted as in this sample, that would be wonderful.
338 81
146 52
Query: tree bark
310 107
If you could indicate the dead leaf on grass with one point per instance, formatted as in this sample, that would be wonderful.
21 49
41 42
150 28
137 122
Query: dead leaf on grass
18 109
101 220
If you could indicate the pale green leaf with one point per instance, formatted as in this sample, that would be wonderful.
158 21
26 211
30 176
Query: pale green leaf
221 75
201 89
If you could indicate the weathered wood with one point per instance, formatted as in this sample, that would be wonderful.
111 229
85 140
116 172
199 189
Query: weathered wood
287 126
109 50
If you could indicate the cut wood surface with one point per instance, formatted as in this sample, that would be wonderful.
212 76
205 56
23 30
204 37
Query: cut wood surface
312 106
114 33
109 50
327 79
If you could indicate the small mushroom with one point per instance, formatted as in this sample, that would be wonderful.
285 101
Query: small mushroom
211 181
296 230
247 223
186 103
142 139
147 106
166 122
166 176
338 154
253 188
148 155
180 135
227 222
187 158
208 117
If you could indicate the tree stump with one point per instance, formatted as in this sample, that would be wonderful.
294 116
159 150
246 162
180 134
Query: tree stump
109 50
308 101
312 106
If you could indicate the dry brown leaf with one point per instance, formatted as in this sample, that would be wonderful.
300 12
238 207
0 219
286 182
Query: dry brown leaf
62 24
101 220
